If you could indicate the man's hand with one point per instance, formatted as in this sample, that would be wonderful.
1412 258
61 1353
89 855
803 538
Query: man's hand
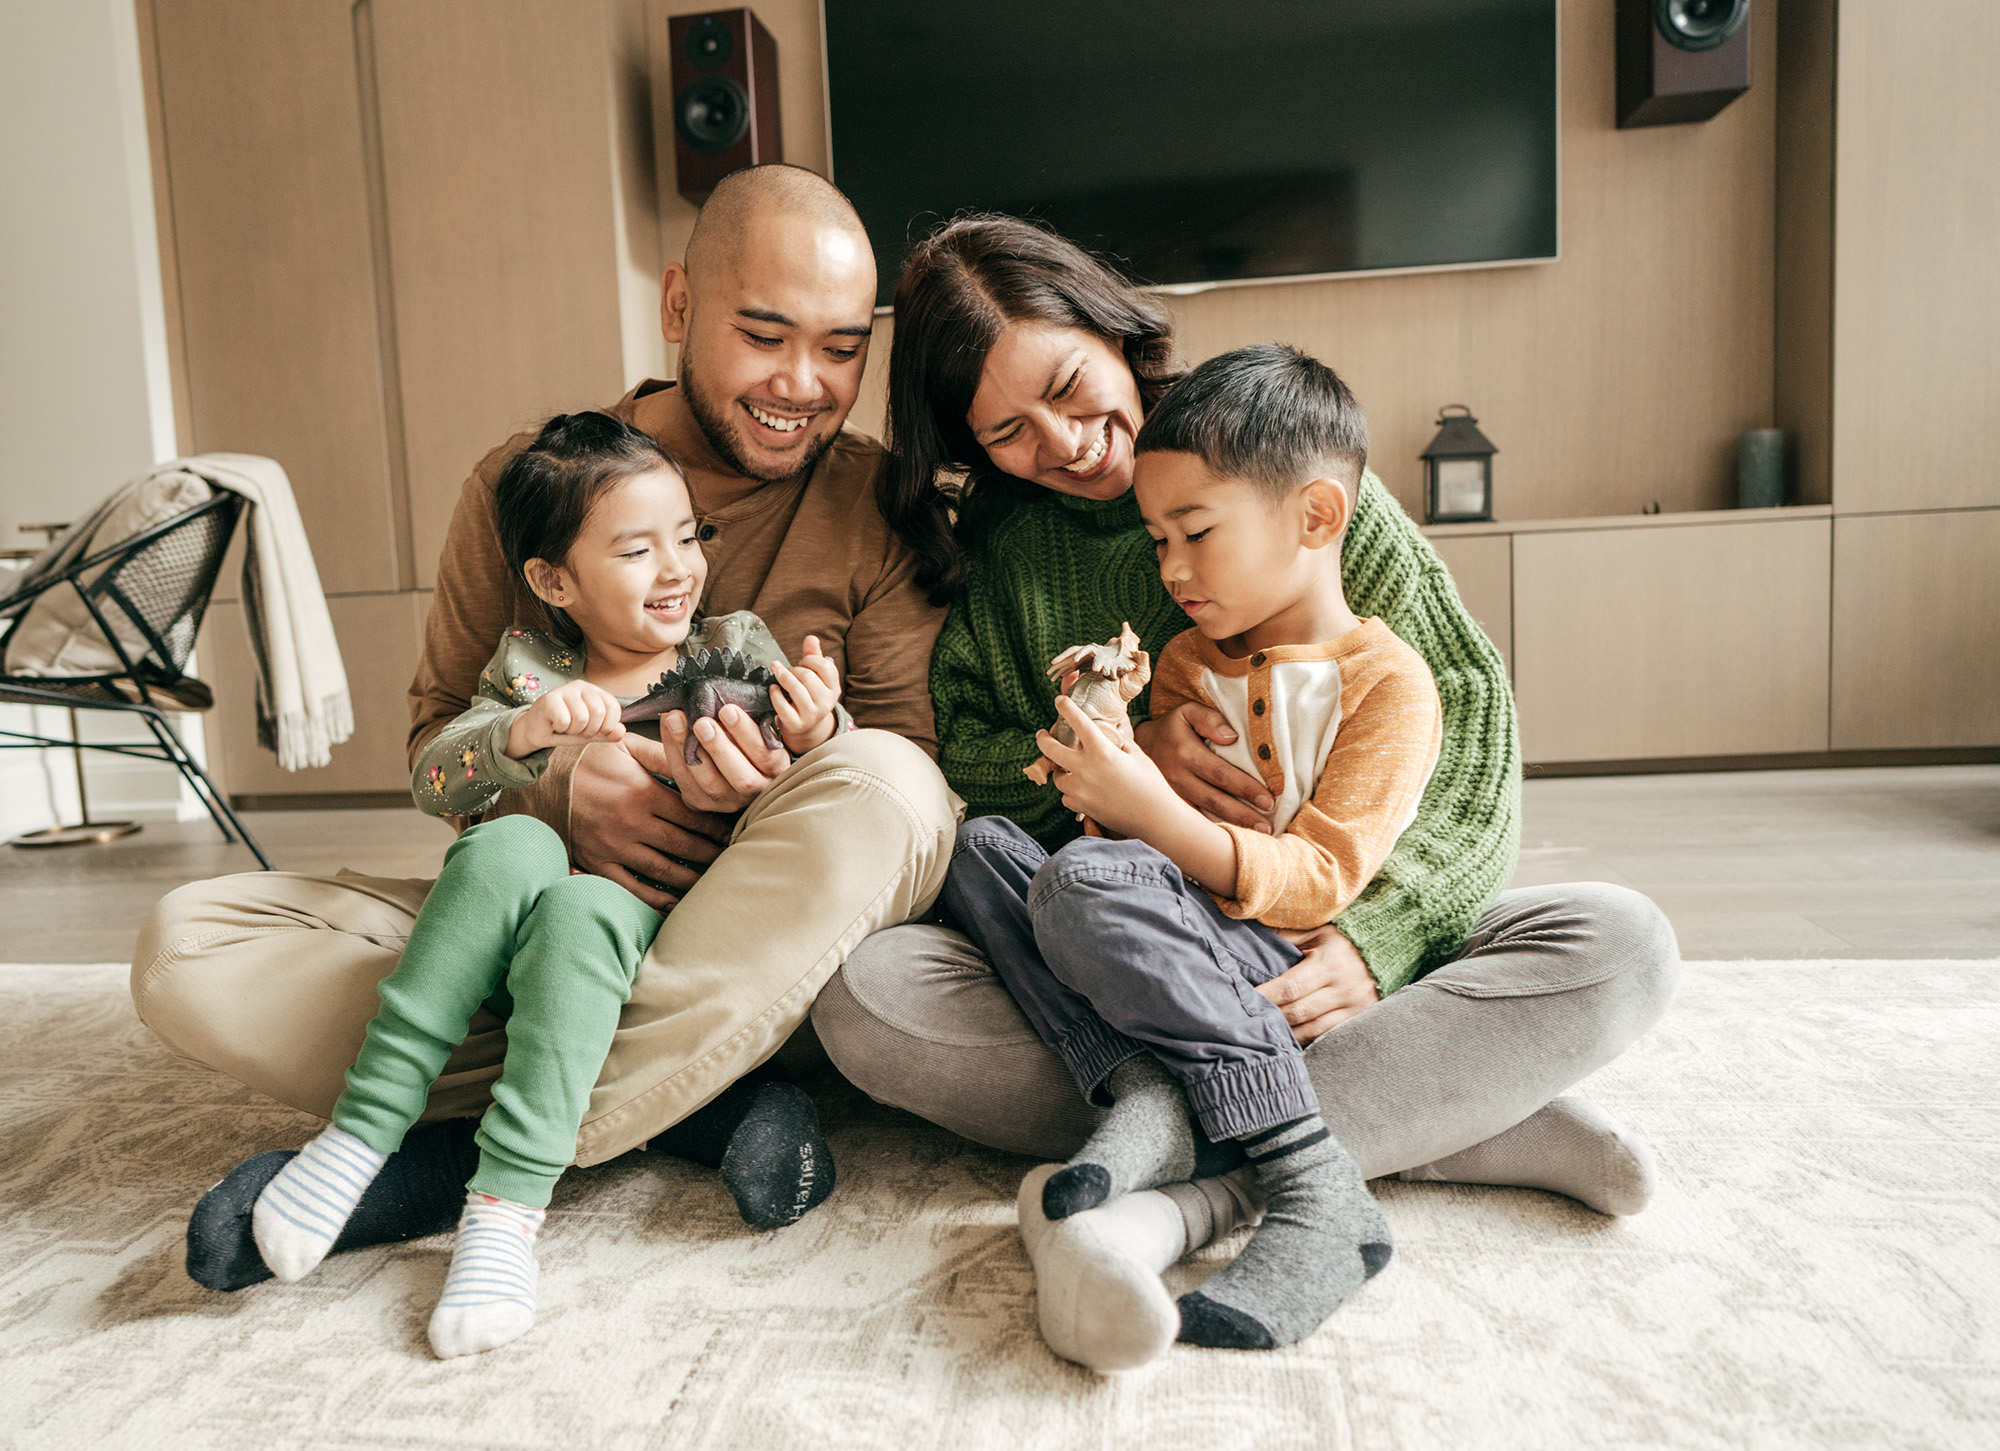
624 825
576 714
732 765
1329 985
1178 743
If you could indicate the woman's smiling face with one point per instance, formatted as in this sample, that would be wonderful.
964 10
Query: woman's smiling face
1058 407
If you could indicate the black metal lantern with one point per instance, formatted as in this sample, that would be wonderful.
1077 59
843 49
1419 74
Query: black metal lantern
1458 470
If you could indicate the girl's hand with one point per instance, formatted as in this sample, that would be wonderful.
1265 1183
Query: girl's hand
1116 786
804 699
576 714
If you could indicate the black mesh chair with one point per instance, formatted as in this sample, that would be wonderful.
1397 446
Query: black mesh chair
157 584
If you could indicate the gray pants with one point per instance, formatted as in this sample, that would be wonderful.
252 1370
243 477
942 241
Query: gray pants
1554 983
1111 951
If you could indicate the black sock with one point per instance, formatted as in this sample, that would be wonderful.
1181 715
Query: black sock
420 1191
763 1135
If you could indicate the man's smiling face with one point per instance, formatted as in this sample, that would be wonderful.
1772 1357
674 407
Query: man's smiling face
774 335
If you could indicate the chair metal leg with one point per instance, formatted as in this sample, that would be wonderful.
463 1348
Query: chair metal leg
217 804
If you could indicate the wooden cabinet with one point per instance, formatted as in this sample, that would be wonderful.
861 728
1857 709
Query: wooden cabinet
1916 631
380 636
394 232
1673 641
1916 355
1482 566
261 142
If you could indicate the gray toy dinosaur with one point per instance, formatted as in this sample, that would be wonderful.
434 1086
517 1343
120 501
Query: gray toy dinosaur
701 684
1108 678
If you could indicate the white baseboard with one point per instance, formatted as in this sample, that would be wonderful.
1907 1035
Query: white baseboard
38 787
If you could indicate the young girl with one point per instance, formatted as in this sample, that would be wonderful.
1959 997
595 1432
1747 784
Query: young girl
596 520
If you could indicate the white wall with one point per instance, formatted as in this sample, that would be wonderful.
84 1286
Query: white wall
85 398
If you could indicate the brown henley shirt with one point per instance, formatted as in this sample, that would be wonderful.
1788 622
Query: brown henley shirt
810 556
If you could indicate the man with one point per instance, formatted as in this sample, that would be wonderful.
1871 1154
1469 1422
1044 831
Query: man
271 978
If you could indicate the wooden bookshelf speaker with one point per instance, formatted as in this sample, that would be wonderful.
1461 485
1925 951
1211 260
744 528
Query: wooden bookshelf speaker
1680 60
725 97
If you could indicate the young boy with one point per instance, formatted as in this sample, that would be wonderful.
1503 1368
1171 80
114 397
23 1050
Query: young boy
1136 951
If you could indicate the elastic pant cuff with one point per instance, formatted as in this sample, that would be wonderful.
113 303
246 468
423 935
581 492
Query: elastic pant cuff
506 1178
1091 1050
1243 1100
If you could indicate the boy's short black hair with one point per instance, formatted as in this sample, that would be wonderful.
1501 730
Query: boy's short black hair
1268 414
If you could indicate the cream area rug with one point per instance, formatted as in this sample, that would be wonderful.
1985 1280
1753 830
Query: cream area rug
1822 1269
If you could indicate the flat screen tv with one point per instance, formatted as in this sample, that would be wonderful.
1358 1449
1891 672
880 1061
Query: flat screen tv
1202 142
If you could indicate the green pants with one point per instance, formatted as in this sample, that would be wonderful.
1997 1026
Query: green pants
509 927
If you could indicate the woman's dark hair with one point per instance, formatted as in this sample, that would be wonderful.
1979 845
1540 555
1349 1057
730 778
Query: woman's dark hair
547 491
960 290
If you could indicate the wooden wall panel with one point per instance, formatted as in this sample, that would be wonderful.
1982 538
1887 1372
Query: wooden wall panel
1612 379
1804 337
1482 566
262 144
379 637
1705 640
498 174
1916 358
1916 630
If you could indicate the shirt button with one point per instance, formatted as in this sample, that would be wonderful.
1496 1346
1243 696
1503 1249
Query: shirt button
1257 661
1257 708
708 532
1263 753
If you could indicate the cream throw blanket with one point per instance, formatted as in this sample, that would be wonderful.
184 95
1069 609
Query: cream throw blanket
302 703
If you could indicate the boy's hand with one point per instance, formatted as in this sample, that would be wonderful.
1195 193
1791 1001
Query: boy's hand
1117 787
804 699
576 714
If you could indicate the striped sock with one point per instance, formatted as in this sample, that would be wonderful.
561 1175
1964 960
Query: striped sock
489 1293
1322 1236
301 1212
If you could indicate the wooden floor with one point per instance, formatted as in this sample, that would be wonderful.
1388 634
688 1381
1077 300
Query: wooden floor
1891 863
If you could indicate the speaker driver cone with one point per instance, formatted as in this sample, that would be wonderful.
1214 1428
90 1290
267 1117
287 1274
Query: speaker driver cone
1700 24
712 114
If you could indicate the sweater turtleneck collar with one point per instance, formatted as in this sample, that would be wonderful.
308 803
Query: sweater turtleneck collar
1102 516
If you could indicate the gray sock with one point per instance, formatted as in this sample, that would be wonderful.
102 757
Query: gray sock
1146 1140
1571 1147
1322 1236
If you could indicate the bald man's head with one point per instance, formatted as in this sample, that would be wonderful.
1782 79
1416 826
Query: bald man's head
772 312
765 196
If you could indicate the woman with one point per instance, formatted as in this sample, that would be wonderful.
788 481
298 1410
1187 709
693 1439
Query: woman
1022 367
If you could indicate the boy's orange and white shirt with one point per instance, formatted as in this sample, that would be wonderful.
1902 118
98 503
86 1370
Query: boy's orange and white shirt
1343 735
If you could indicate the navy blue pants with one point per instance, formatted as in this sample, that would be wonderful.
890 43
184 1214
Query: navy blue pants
1111 952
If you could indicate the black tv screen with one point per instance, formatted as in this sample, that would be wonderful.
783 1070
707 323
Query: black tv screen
1205 141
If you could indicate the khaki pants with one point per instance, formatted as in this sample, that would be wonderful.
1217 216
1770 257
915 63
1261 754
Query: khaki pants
270 977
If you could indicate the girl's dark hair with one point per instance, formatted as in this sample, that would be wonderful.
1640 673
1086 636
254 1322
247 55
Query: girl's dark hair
547 491
960 290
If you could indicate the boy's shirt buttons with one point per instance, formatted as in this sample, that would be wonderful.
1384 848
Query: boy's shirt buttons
1257 707
1263 753
1257 661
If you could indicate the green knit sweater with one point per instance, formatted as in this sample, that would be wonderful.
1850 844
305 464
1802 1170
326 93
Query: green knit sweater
1057 571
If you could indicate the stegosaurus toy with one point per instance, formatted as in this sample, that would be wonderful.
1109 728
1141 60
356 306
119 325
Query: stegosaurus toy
701 684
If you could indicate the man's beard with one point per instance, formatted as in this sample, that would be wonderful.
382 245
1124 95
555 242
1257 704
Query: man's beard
716 430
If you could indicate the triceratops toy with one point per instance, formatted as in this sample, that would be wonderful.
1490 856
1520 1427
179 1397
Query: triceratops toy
701 684
1108 678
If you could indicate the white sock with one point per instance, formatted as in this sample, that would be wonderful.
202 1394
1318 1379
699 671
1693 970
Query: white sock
1570 1146
489 1292
1097 1275
301 1212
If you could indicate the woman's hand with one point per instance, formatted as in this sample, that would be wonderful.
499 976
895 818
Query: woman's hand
1329 985
1178 743
804 699
576 714
732 766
